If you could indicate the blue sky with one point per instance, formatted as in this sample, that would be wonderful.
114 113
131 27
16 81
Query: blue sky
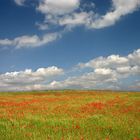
56 45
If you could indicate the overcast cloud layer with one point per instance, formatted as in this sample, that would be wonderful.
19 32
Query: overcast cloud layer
68 14
99 73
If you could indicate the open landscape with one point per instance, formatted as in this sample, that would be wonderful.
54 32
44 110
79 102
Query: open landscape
69 69
70 115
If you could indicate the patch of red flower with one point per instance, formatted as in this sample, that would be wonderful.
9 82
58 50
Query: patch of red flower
136 138
76 126
92 107
96 105
18 104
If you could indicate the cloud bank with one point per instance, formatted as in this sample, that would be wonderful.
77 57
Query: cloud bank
105 73
99 73
28 79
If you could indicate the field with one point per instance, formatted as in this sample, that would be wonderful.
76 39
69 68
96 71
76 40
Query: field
70 115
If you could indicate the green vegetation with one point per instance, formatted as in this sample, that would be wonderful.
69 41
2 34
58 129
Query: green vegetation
70 115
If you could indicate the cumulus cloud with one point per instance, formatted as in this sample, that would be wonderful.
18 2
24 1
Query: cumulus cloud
56 7
111 61
122 65
6 42
28 79
105 73
30 41
119 8
70 17
69 14
134 57
100 79
99 73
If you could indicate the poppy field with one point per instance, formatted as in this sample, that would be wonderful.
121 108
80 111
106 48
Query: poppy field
70 115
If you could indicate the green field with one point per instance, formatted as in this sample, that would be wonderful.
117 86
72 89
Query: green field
70 115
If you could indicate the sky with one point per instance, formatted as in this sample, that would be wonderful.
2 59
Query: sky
69 44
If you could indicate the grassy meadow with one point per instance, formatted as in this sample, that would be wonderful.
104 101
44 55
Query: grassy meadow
70 115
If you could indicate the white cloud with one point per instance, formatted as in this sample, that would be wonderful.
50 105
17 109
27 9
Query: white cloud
58 7
120 8
75 19
103 73
106 73
111 61
71 13
6 42
52 9
20 2
30 41
101 79
134 57
28 79
126 65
